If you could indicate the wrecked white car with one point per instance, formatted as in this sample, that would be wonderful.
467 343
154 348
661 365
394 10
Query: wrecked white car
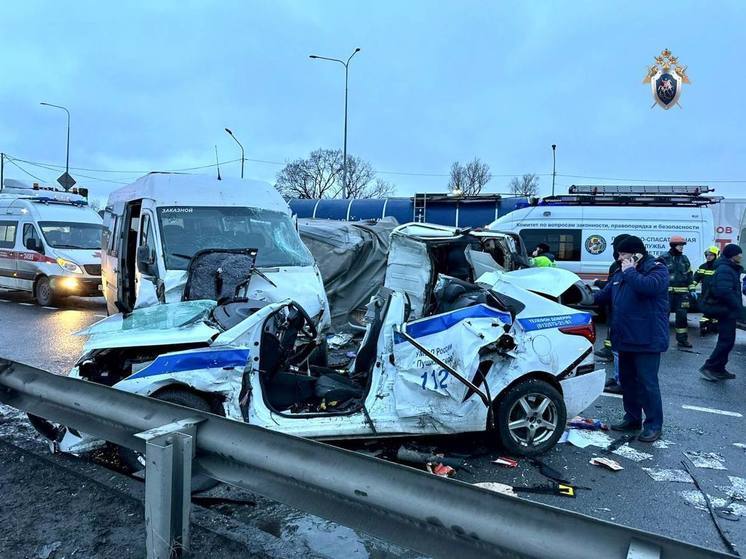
462 357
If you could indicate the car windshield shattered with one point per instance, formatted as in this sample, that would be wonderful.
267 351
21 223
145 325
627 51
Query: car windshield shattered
158 317
61 234
186 230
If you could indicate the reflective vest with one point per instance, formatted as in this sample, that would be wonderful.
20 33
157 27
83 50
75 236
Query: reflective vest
679 272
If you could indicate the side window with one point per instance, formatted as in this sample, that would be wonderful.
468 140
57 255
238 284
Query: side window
146 238
8 234
29 232
564 243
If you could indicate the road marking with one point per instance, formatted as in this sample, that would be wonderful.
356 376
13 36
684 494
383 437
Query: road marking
100 315
611 395
712 410
4 301
26 304
50 308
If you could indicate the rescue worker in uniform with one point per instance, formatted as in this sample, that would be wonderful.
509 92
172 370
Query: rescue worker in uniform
542 256
680 286
703 276
638 295
724 301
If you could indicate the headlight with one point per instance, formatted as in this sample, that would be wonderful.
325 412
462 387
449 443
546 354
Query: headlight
69 266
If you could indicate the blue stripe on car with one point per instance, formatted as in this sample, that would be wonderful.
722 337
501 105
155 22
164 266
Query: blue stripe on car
441 322
181 362
555 321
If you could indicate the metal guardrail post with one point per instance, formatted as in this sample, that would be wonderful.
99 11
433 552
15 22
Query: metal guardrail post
168 488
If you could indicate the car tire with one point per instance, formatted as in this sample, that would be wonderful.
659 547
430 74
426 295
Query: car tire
135 461
539 406
44 293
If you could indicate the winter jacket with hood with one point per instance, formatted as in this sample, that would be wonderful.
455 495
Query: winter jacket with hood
640 307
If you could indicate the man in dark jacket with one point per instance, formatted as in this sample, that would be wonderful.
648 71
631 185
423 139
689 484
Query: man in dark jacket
725 302
703 276
680 285
638 295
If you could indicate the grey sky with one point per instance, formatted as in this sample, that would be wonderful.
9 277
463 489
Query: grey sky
151 85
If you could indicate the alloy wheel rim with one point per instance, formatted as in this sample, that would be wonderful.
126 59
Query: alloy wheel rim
532 419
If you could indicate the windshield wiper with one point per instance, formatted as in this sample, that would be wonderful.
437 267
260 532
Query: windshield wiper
72 246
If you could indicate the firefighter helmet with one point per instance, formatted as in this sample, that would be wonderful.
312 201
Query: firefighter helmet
713 250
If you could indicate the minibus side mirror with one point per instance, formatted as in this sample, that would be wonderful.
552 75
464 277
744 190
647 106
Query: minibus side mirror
35 245
146 261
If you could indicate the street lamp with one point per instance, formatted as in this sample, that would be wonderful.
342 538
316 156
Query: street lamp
67 156
554 165
239 145
344 151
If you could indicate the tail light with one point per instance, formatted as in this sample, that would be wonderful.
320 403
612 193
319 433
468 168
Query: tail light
588 331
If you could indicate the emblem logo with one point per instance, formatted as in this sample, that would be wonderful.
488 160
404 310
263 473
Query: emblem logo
666 77
595 244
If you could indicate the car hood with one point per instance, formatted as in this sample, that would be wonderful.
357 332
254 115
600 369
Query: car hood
551 282
79 256
167 324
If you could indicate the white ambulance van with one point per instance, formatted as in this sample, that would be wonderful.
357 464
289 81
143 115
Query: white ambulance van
581 226
50 242
155 226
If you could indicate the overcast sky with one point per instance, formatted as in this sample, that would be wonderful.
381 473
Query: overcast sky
152 84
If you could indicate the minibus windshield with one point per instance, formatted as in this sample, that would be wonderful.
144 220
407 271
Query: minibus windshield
186 230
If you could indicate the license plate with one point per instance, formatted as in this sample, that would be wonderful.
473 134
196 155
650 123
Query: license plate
100 287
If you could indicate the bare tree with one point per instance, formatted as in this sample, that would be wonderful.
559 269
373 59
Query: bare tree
469 179
320 176
527 185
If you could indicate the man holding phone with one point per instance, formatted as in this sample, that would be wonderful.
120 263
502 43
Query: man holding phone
638 295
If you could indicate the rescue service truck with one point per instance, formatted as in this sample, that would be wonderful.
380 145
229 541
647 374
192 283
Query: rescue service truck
50 242
581 226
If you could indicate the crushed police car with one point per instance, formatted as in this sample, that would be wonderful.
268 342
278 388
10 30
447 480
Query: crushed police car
457 357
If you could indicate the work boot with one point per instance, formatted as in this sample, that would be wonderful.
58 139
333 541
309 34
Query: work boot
626 425
684 343
709 374
724 375
605 354
649 435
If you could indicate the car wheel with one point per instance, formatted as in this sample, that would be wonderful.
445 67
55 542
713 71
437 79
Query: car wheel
43 292
531 418
135 461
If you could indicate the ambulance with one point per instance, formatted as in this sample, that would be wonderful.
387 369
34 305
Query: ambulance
50 242
581 226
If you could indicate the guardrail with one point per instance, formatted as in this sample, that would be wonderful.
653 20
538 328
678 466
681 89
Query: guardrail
435 516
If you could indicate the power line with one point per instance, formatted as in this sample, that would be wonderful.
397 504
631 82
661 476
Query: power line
12 161
52 168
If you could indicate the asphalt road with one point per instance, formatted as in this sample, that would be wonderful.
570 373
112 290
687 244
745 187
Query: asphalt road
699 416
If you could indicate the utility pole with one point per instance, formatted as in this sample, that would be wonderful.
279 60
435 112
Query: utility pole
554 165
2 171
344 149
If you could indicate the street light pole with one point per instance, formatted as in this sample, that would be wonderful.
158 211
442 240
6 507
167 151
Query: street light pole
67 151
554 165
344 148
239 145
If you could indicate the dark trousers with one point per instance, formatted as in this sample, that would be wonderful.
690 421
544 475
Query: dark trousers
726 340
638 375
680 306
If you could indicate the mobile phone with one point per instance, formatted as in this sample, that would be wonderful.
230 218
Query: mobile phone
636 257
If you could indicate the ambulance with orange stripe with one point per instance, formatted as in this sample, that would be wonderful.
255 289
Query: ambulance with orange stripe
50 242
581 226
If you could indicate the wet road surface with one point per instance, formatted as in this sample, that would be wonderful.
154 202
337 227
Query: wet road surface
699 416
